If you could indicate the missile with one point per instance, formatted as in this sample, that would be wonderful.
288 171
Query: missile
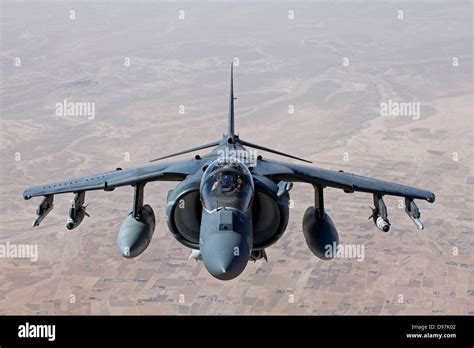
382 225
45 206
413 212
77 211
380 214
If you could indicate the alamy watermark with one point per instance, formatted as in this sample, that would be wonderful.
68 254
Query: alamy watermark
350 251
28 330
404 109
22 251
248 157
67 108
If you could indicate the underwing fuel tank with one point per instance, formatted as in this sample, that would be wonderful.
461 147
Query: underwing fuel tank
135 234
320 234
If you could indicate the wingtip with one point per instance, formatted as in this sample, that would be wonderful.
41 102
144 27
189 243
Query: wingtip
431 198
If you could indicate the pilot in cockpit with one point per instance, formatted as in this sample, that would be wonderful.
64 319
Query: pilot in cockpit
226 184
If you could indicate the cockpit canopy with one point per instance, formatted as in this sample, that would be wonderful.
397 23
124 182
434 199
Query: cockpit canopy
227 183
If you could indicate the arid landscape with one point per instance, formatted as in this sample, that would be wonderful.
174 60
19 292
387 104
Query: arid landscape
310 78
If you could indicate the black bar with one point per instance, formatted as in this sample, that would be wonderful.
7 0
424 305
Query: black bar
286 330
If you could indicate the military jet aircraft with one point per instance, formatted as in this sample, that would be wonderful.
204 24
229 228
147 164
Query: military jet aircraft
230 204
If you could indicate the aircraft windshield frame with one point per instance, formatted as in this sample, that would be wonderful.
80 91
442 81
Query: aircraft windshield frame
227 183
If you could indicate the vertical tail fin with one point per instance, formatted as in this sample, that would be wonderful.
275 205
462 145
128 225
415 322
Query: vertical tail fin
230 137
230 116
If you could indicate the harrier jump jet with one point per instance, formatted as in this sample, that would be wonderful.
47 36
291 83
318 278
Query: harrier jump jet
230 205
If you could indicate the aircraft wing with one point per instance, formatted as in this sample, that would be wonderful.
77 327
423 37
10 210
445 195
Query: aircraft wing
173 171
345 181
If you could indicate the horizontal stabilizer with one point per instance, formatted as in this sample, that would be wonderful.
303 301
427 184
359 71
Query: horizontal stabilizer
205 146
255 146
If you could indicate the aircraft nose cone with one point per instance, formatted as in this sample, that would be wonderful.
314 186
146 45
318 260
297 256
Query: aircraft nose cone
225 254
